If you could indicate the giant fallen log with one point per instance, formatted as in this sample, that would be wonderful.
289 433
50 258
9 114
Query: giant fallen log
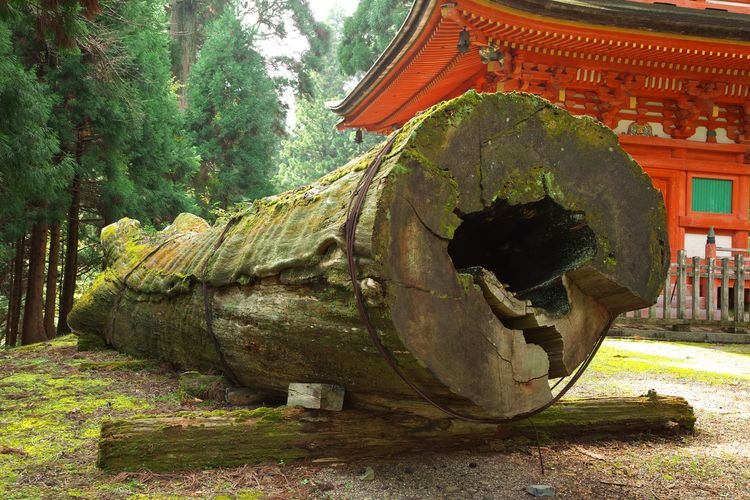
233 438
496 242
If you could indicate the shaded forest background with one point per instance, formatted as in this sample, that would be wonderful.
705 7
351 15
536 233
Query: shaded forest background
149 108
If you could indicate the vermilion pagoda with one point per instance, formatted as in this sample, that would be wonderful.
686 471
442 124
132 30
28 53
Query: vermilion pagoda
672 80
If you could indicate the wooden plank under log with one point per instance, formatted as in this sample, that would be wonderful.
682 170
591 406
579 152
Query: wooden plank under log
556 214
238 437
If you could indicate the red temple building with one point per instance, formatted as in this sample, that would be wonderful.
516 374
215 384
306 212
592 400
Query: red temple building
672 79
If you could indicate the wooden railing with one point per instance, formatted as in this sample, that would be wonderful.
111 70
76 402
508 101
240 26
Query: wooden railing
739 6
702 292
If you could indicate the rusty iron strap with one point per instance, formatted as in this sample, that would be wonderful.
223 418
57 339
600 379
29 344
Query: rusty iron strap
352 219
208 305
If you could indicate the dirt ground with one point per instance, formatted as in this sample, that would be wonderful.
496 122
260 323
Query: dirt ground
54 398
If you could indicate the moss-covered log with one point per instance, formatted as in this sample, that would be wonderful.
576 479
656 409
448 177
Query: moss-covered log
483 199
234 438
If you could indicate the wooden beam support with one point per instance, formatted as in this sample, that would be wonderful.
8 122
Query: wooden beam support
234 438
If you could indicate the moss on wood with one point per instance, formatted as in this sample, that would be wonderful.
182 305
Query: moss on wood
90 342
233 438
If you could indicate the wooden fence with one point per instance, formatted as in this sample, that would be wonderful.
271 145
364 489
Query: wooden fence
699 291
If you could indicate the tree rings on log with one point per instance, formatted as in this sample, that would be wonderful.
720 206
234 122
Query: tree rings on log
496 242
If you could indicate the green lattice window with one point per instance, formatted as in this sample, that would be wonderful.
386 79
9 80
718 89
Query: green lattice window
712 195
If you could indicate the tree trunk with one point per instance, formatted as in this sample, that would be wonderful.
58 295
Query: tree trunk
187 19
52 274
16 293
483 199
61 266
70 270
235 438
184 34
33 318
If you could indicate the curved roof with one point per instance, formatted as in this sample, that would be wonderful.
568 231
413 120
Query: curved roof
422 66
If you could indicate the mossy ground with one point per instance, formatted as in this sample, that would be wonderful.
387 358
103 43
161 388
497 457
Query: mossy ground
52 408
53 400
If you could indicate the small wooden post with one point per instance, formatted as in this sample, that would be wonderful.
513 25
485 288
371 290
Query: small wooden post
739 288
725 288
696 287
681 283
710 289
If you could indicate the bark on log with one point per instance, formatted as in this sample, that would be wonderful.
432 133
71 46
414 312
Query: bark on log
234 438
561 220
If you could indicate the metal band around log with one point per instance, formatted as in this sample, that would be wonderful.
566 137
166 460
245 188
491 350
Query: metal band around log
208 307
352 219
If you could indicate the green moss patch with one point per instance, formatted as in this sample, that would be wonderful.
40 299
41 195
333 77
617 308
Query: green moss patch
91 341
53 400
50 418
109 366
700 362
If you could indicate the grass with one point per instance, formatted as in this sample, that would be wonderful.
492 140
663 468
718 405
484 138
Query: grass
674 464
741 349
713 364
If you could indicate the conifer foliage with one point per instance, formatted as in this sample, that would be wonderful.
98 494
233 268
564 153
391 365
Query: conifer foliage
234 116
315 146
28 174
369 31
90 132
144 109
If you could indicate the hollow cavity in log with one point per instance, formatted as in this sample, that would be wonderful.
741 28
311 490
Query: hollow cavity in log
522 252
527 246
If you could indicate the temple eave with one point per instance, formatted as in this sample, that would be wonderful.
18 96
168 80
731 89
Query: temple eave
409 76
673 82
